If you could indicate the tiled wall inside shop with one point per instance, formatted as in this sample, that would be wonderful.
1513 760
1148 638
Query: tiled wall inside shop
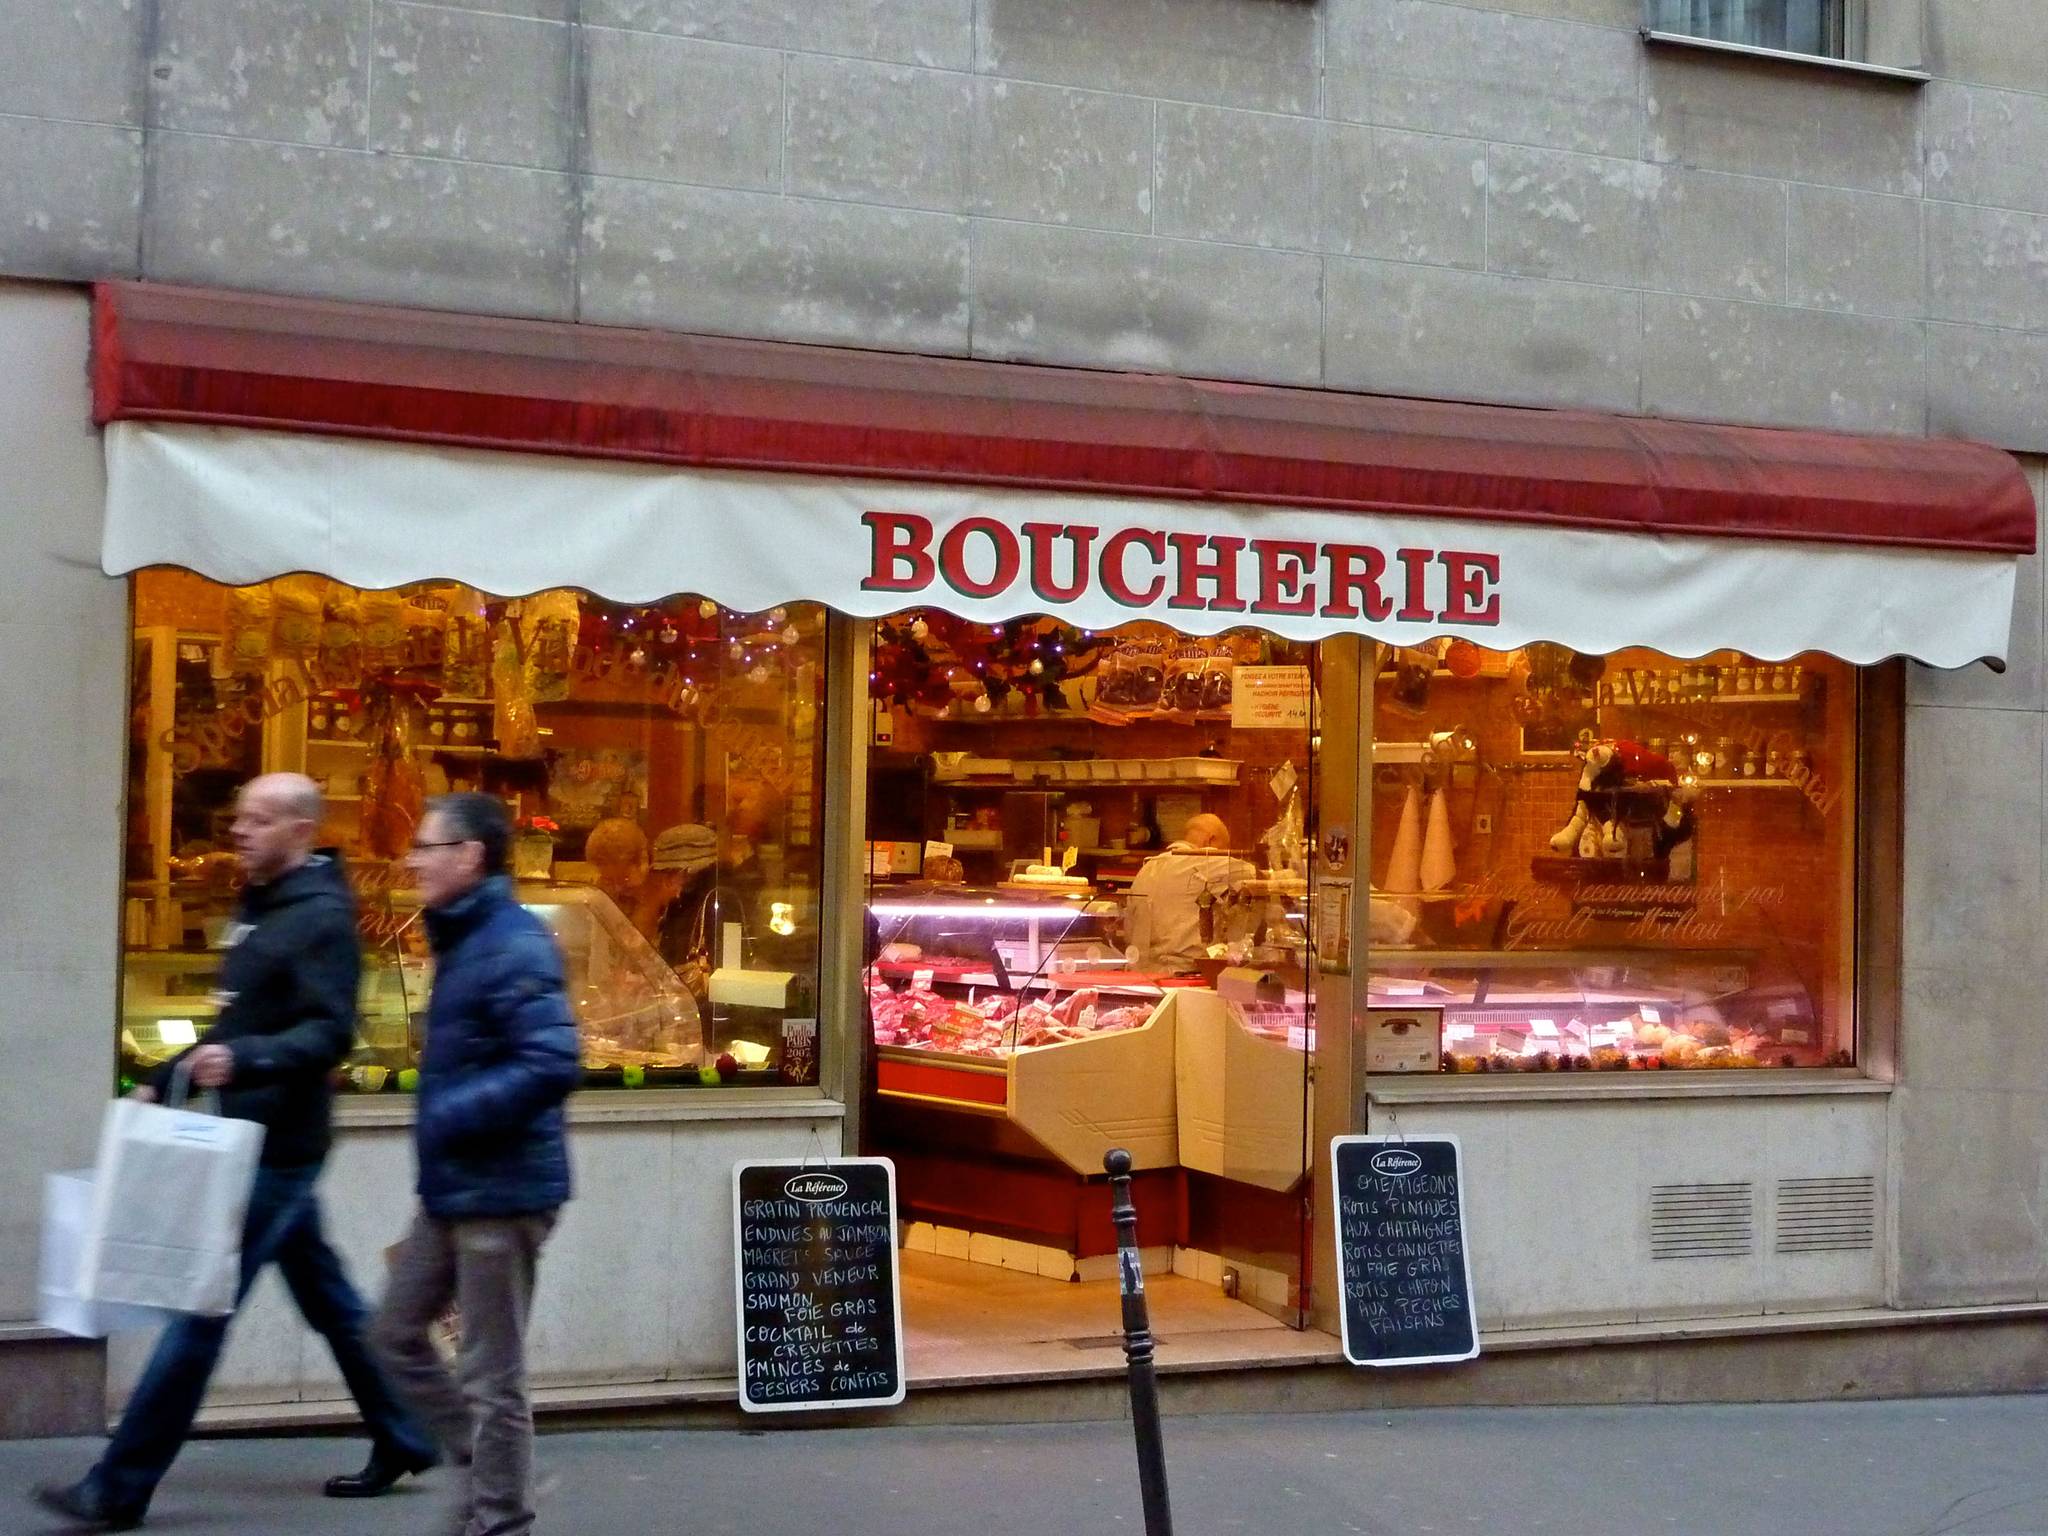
1503 200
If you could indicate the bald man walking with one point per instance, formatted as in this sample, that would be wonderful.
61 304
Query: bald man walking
287 1019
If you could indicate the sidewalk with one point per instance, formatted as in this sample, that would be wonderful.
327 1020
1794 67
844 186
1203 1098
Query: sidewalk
1956 1467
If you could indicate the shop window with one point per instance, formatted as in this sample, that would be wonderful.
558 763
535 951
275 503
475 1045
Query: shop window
662 762
1089 887
1634 862
1035 772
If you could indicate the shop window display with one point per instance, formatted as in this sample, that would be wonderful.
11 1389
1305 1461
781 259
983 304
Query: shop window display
662 762
1072 834
1635 862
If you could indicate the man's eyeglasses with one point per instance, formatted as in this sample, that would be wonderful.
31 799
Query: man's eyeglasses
451 842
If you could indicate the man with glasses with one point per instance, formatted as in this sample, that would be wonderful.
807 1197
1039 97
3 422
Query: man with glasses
501 1055
287 1019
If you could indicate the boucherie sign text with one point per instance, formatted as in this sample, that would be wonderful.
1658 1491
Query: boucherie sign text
1054 565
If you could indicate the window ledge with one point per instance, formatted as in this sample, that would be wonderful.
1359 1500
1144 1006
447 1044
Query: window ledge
628 1106
1487 1088
1783 56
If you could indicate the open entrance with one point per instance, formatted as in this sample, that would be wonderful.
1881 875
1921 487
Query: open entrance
1088 897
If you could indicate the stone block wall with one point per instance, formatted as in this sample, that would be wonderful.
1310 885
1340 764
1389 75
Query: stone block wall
1505 200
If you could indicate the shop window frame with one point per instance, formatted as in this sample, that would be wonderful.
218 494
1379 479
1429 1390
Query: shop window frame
1877 861
835 1096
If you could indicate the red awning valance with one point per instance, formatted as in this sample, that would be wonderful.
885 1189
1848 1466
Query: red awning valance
185 355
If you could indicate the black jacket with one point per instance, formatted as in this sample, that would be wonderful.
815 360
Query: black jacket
502 1054
288 1009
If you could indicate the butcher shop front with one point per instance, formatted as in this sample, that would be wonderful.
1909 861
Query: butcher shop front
988 766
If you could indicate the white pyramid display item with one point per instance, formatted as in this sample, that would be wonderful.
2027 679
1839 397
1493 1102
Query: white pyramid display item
1439 866
1404 865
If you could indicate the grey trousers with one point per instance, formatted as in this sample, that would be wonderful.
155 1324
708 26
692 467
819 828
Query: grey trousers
486 1266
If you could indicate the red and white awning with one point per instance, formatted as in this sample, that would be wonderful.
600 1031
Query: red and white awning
242 506
249 437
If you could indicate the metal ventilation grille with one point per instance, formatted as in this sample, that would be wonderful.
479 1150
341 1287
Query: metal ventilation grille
1827 1215
1702 1221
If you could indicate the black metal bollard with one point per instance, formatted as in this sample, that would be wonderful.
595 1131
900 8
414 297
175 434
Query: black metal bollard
1130 1270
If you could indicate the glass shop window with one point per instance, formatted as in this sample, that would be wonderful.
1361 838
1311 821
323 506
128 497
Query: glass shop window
1612 863
661 761
1065 824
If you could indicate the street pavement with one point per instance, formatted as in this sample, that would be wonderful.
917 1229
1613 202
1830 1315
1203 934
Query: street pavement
1937 1467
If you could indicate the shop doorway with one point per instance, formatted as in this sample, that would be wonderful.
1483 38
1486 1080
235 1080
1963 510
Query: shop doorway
1088 893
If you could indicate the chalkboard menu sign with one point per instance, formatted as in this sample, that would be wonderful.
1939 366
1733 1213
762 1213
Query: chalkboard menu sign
820 1316
1401 1250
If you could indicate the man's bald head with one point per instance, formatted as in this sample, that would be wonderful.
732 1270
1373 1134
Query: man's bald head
1206 831
292 793
277 817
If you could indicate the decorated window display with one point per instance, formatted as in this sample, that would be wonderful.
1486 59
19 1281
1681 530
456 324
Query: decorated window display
1633 862
662 762
1088 890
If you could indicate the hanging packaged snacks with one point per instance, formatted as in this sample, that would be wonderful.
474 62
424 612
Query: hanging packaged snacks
250 611
1131 681
382 616
513 721
341 638
548 624
1199 680
298 604
466 653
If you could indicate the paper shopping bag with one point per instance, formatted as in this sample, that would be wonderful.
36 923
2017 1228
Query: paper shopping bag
169 1196
67 1211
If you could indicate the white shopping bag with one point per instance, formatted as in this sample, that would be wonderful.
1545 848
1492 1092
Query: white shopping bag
169 1196
67 1212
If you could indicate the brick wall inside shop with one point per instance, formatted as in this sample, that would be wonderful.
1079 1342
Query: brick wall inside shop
1769 840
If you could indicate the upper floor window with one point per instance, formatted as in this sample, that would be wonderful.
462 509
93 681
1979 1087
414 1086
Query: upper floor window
1831 29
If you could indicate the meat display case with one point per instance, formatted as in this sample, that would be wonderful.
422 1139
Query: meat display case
631 1009
1015 1028
1612 1010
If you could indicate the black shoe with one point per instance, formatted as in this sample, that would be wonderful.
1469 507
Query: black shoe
385 1467
86 1506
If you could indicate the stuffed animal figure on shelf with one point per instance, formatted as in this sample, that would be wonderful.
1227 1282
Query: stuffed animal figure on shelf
1597 827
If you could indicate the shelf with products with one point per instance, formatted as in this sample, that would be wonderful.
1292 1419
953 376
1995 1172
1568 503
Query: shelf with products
1712 684
1715 701
1093 780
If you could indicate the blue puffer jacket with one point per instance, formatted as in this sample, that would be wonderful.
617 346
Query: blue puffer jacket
501 1056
